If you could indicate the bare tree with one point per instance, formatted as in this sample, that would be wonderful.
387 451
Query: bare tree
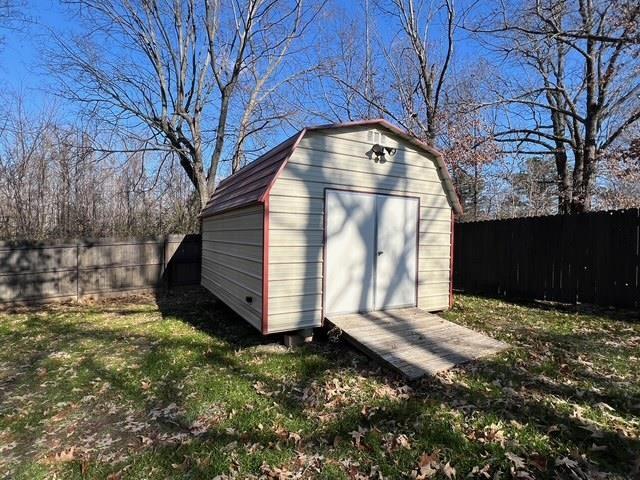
340 95
54 186
193 77
399 76
619 185
406 76
12 18
572 89
10 13
466 140
421 90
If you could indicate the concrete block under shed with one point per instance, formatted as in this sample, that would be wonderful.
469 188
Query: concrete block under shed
298 338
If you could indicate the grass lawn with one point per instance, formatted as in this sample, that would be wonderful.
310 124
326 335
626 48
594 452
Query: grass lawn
133 389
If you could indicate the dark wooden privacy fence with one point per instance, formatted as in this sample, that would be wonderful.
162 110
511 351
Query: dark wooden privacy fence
589 258
31 272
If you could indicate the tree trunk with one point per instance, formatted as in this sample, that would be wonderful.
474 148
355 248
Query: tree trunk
583 180
564 187
585 168
202 187
560 155
576 180
210 182
193 165
475 191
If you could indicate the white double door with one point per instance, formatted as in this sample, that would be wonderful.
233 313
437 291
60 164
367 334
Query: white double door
371 252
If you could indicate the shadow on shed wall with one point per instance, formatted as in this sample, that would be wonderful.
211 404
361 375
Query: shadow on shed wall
395 181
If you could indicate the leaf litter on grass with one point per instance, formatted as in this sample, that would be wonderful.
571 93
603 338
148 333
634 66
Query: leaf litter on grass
132 389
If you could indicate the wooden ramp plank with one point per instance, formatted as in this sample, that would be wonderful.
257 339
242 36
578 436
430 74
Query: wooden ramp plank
414 342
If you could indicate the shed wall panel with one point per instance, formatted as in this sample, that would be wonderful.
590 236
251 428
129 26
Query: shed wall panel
341 150
296 222
429 195
232 260
289 255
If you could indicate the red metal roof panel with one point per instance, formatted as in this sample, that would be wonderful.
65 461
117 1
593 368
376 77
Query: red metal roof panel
249 184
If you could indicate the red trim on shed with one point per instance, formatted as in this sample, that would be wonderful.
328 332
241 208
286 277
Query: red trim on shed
265 268
250 184
453 221
323 298
384 124
265 235
295 144
418 254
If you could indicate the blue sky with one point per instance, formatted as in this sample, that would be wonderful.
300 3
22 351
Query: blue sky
21 71
20 55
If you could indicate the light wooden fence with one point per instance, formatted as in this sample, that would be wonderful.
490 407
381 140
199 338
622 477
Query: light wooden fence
36 272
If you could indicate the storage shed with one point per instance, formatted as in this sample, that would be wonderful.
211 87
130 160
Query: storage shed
340 218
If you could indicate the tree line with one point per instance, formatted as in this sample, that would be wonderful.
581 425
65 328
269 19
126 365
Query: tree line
55 185
535 104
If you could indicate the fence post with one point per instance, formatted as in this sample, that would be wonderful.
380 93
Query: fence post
163 282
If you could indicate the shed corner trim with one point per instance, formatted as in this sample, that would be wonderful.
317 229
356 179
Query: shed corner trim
264 200
265 266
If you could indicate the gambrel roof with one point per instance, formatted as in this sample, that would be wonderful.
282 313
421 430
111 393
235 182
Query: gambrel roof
251 184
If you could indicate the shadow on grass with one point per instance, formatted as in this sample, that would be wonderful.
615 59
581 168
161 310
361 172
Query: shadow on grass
527 401
611 313
200 309
498 389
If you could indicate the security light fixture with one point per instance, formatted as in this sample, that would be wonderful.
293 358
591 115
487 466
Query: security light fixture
379 153
391 151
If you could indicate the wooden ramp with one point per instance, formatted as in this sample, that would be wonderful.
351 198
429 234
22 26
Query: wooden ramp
414 342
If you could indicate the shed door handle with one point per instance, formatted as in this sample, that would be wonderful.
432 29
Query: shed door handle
380 252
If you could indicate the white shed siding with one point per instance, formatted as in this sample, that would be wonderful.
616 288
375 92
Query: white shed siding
296 206
232 260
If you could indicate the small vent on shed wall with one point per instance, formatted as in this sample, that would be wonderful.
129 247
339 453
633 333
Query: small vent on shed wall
375 136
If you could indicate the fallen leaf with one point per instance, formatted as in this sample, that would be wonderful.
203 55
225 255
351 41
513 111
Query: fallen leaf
538 461
429 458
66 455
449 471
403 441
428 465
358 435
484 471
566 462
518 462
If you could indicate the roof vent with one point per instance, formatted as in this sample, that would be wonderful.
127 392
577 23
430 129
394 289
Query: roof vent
374 136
